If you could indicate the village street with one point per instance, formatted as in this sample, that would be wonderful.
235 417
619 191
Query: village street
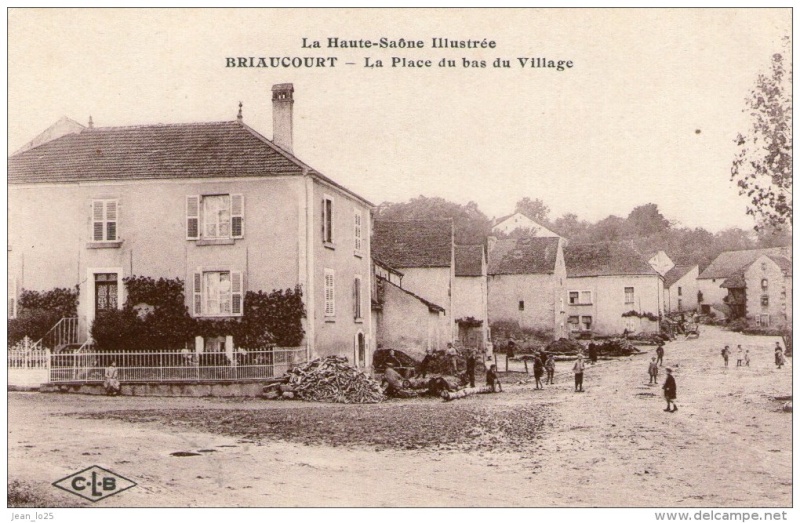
728 445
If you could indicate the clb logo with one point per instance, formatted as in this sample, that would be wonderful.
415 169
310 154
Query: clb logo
94 483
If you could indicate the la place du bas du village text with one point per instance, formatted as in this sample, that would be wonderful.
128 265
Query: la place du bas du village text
373 62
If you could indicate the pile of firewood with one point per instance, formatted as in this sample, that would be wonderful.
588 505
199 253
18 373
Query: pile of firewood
332 380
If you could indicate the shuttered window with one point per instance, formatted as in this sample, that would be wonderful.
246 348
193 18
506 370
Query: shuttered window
357 230
217 293
105 217
357 298
327 219
12 297
214 217
330 293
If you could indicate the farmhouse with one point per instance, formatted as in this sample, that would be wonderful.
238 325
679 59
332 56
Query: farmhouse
526 284
611 288
215 205
470 300
680 288
761 292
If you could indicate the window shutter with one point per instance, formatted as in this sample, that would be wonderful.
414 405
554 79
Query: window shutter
324 228
357 231
236 292
237 216
97 220
192 217
330 304
197 292
111 220
12 297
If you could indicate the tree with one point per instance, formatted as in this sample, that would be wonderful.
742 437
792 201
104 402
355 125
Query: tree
470 224
536 210
646 220
763 167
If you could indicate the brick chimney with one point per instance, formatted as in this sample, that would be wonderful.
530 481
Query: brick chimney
282 102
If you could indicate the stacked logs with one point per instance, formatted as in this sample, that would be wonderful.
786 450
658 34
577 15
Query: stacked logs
332 380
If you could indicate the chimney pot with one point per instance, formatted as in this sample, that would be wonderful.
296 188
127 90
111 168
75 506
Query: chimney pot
282 108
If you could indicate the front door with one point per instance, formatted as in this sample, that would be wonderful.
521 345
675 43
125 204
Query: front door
105 292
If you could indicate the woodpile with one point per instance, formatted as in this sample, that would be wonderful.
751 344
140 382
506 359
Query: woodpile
328 379
463 393
617 347
564 347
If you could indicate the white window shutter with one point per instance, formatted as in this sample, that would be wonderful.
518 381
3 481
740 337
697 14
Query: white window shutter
98 213
330 296
112 213
237 216
197 293
237 293
192 217
357 231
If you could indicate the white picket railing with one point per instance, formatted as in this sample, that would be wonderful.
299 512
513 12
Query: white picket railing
27 355
172 366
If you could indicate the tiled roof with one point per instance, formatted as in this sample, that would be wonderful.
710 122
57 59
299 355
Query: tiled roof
783 262
164 151
605 259
414 243
676 273
469 260
523 256
730 262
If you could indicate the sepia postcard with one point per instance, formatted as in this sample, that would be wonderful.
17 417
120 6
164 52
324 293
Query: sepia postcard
531 258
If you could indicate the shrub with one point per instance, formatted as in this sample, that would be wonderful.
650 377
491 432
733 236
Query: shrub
737 325
39 311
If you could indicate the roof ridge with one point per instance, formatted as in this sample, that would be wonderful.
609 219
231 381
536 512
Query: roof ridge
143 126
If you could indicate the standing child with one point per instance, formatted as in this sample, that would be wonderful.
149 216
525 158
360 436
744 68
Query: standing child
747 358
538 371
652 370
739 356
726 352
670 392
491 379
660 353
550 367
578 370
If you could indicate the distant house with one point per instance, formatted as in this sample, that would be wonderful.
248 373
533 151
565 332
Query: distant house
508 224
424 252
403 320
761 292
470 299
214 204
727 264
62 127
661 262
610 288
526 282
680 288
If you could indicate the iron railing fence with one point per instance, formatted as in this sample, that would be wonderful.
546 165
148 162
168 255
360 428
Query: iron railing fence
172 366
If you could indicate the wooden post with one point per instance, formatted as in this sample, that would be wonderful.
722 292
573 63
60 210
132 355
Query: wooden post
506 361
526 365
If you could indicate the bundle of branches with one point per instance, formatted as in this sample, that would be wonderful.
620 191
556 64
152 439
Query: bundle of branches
617 347
650 338
332 380
564 347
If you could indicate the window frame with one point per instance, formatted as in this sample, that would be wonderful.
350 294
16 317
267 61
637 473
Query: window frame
104 220
582 323
580 295
196 218
200 294
625 295
521 305
328 220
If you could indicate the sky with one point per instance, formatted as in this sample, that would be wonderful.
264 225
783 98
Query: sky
648 112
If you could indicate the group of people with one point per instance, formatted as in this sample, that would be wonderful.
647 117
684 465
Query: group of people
743 356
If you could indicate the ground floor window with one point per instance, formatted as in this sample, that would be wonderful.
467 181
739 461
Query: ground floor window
762 320
586 321
573 323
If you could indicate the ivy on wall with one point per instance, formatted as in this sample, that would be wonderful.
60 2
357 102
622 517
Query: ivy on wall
38 311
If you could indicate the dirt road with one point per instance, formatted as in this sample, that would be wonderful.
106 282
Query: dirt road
728 445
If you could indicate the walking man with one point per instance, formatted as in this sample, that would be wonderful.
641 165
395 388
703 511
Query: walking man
578 369
670 392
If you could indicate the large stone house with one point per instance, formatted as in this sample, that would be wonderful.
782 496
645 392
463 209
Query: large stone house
470 300
526 284
215 204
680 288
611 288
761 292
711 294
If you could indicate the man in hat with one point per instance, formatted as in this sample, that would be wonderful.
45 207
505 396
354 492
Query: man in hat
578 370
670 392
